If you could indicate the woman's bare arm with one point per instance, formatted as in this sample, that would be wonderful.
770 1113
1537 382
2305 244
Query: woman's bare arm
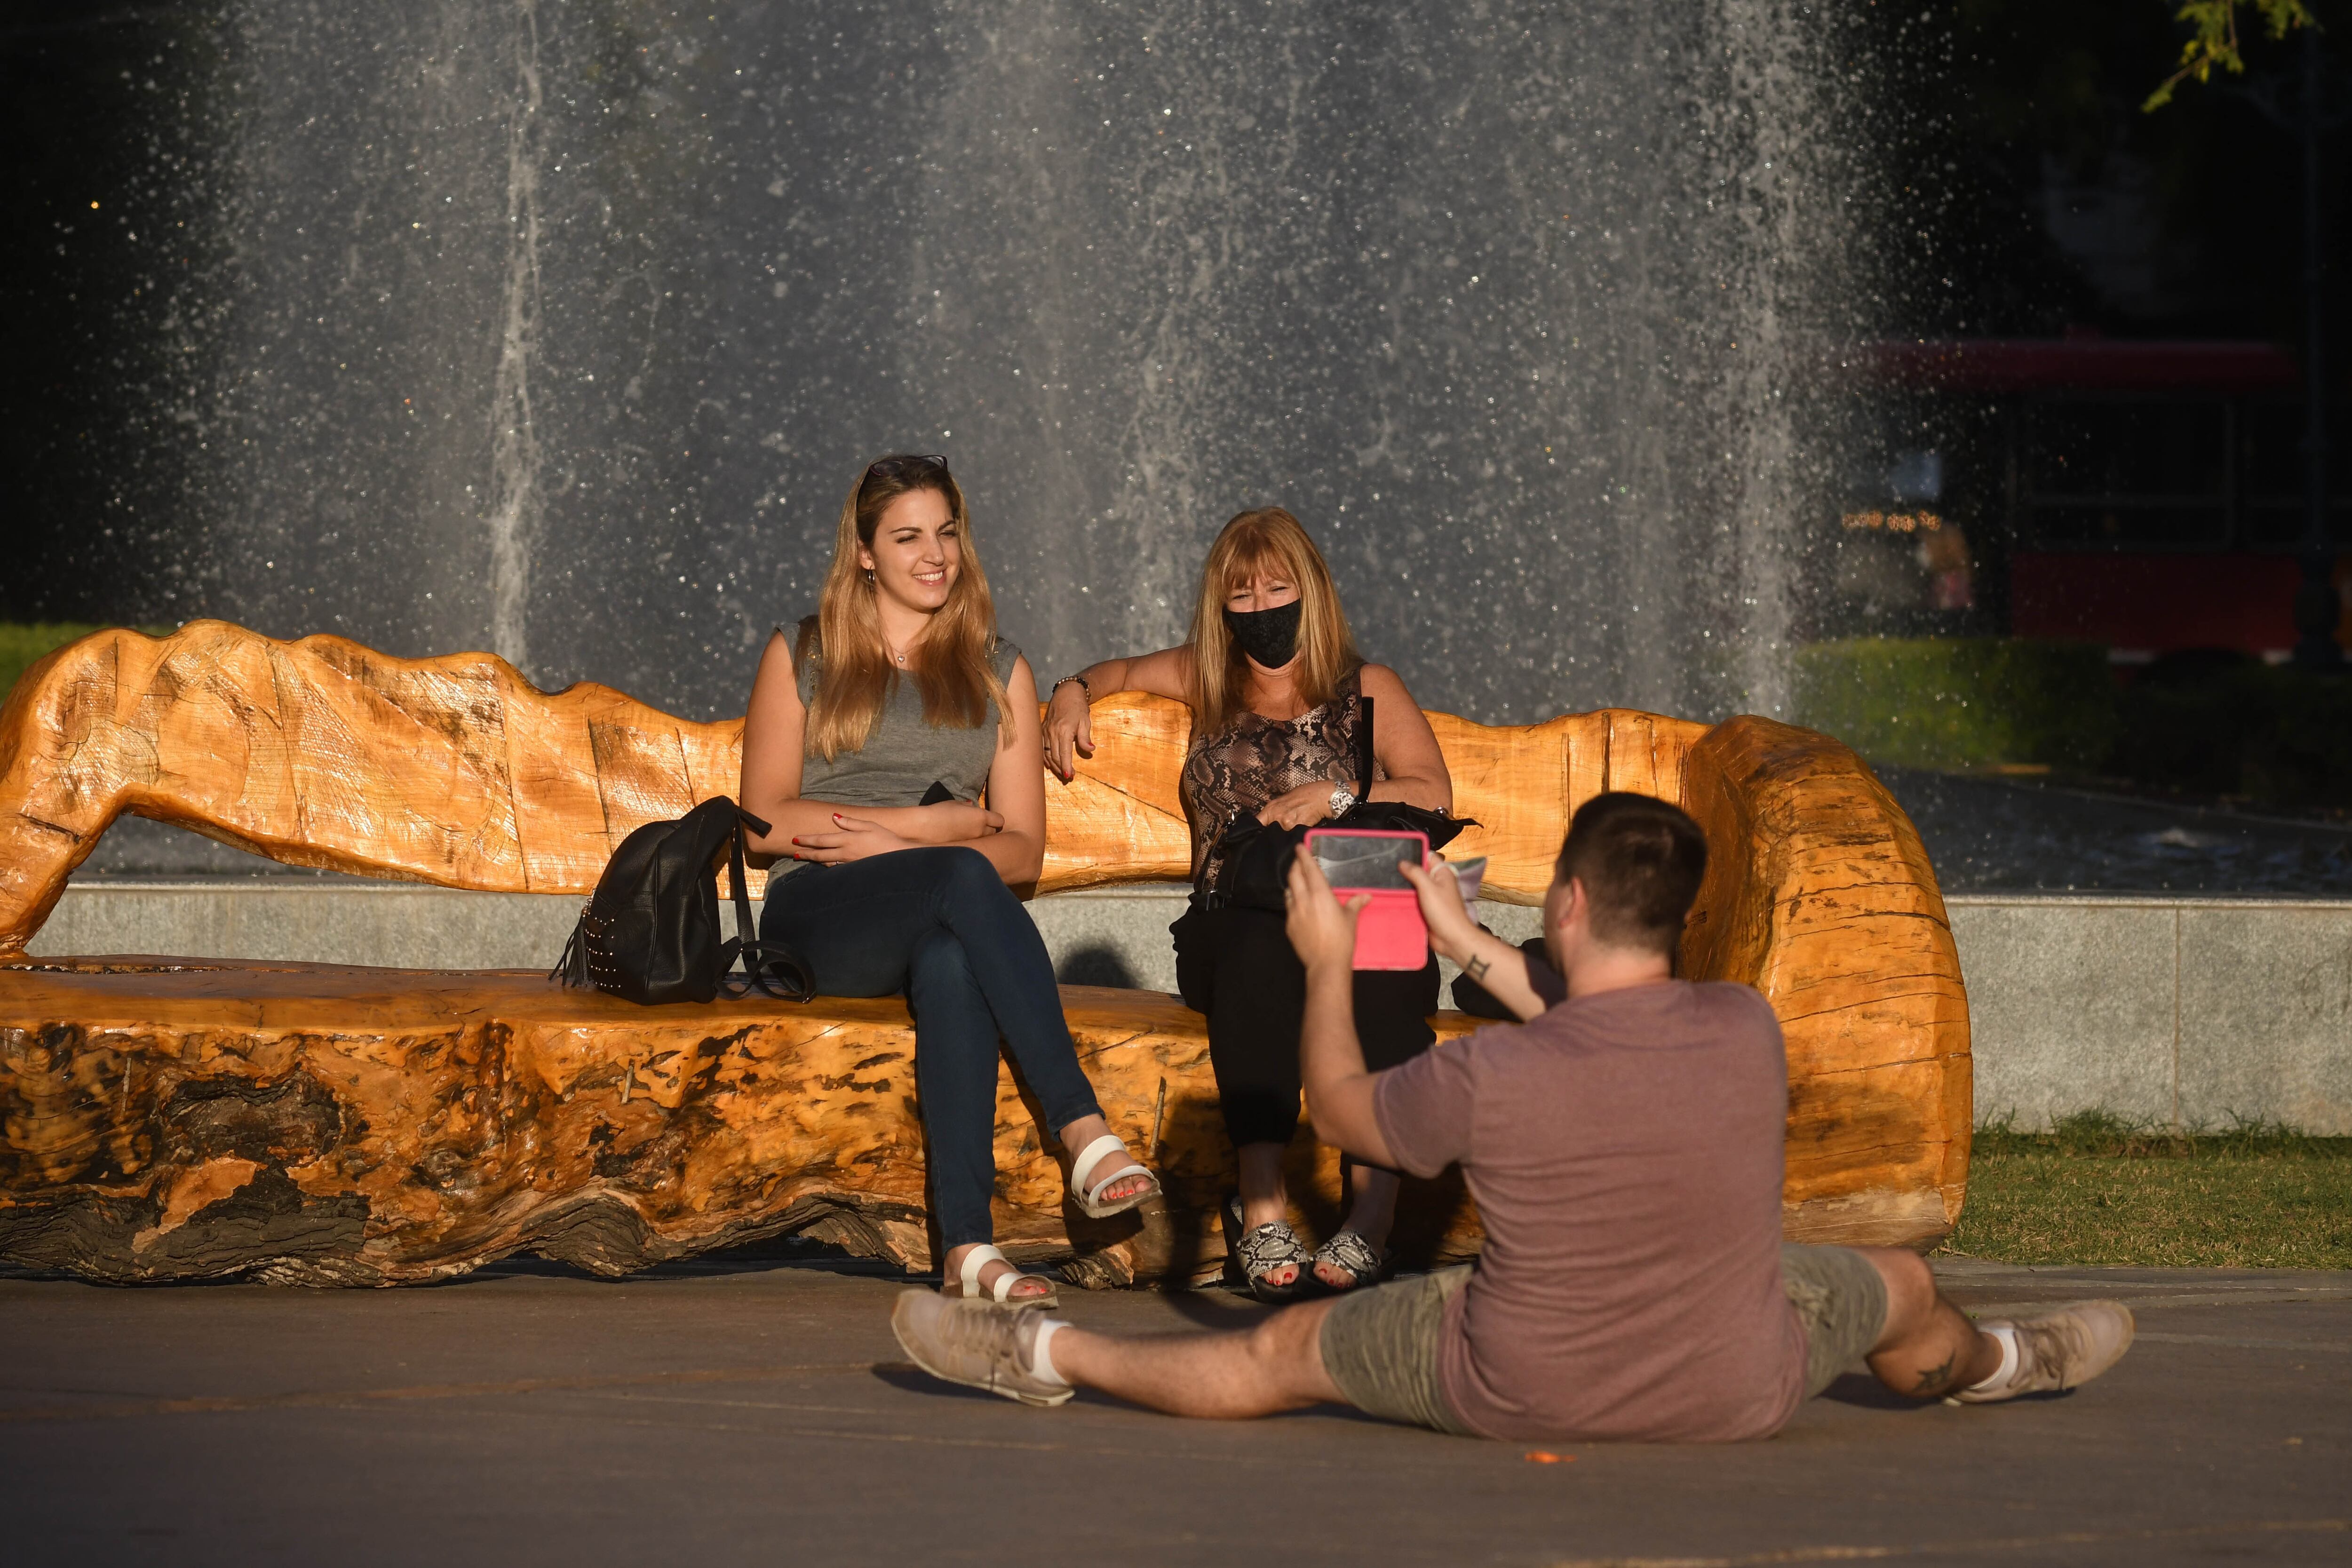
774 726
1405 745
1162 674
1016 789
775 732
1069 734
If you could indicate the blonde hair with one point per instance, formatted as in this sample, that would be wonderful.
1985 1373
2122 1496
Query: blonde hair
1265 541
950 662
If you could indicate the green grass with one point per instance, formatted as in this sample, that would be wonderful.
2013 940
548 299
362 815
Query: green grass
2097 1190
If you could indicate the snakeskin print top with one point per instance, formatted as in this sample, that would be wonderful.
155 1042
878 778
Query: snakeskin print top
1253 758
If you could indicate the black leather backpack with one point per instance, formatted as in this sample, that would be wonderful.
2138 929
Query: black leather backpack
650 932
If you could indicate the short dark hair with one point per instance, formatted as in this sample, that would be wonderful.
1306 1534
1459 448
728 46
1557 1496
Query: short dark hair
1641 860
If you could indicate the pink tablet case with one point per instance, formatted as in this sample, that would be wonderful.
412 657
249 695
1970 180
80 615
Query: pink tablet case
1389 931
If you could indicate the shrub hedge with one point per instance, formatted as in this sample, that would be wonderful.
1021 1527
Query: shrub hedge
22 644
2220 727
1960 702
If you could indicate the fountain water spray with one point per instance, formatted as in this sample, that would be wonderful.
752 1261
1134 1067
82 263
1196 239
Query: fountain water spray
559 328
514 443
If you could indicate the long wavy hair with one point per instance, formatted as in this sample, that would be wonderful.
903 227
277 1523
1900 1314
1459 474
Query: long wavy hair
1265 541
949 662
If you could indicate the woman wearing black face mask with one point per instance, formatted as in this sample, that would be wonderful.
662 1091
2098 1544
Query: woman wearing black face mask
1275 683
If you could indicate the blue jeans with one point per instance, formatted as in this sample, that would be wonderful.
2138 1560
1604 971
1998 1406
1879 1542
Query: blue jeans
939 924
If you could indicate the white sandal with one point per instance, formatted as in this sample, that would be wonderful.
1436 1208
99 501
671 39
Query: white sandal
969 1286
1087 1195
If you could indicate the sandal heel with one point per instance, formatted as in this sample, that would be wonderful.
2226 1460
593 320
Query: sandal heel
965 1284
1090 1160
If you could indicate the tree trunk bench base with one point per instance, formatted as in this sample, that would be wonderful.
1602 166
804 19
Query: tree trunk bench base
328 1125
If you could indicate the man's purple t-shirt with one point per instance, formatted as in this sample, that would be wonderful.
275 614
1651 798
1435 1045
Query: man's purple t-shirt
1625 1152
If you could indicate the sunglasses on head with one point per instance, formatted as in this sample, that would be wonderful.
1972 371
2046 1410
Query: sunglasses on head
901 467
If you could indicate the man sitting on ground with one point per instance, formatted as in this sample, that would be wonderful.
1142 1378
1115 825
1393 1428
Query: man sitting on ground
1624 1147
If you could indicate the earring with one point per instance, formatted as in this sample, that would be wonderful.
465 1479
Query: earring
869 576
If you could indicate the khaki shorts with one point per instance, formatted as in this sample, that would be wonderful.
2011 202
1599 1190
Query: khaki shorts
1380 1346
1840 1297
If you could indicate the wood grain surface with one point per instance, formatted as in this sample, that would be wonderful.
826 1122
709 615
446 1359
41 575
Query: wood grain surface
319 1124
1819 894
167 1118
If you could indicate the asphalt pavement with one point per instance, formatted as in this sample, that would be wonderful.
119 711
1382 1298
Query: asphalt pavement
757 1410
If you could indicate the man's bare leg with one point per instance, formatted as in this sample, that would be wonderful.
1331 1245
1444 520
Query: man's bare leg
1928 1347
1277 1365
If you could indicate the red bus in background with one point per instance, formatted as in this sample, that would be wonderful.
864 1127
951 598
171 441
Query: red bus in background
2145 495
2143 605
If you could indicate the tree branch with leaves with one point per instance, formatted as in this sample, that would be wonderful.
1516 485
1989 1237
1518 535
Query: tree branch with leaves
2213 38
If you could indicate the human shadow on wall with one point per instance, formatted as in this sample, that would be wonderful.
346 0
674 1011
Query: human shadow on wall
1097 964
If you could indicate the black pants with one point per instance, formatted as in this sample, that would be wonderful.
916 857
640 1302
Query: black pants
939 924
1237 967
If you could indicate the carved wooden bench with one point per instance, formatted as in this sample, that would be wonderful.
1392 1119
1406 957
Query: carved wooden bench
163 1119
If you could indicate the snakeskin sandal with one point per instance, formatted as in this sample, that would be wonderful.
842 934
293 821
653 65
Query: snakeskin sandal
1258 1252
1353 1255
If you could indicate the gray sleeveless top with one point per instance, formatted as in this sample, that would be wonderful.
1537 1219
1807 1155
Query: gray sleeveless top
904 755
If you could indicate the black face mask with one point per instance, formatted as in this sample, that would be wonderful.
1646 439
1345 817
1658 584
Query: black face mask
1269 637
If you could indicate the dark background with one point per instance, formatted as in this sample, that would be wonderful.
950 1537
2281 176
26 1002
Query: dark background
2185 222
94 108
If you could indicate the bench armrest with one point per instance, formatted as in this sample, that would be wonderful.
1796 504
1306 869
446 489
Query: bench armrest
1819 894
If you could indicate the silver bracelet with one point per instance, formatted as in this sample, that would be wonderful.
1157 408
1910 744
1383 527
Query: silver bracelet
1081 679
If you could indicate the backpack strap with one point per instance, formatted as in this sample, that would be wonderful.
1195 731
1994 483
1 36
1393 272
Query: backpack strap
771 970
775 971
1363 742
736 880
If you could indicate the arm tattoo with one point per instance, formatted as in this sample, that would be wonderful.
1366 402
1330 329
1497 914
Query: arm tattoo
1936 1379
1476 969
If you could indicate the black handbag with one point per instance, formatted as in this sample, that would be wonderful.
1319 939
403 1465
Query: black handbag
650 932
1475 999
1254 858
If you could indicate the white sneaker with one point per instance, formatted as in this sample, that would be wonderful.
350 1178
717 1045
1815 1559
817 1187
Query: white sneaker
977 1343
2059 1349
